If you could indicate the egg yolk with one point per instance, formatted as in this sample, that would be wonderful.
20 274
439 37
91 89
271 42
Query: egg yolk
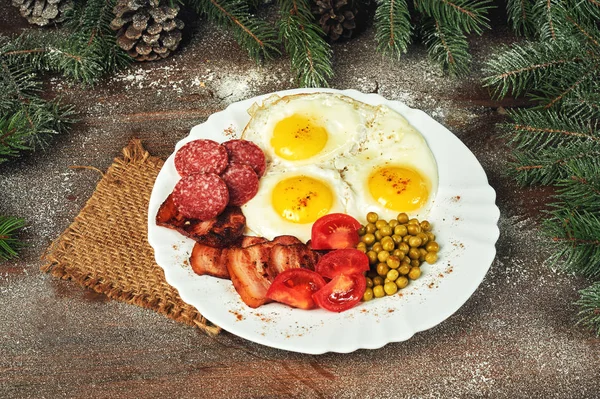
399 188
301 199
298 137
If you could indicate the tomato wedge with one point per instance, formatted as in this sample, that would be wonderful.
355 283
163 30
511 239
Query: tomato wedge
335 231
342 261
294 287
343 292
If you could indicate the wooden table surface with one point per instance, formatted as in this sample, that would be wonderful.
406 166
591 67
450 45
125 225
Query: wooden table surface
515 337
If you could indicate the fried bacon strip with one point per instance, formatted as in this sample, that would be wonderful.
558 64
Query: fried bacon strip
212 261
223 231
252 269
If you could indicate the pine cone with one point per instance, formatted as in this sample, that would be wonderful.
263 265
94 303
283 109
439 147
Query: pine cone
43 12
336 17
145 29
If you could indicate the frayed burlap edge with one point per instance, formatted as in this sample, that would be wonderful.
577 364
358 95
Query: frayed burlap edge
161 297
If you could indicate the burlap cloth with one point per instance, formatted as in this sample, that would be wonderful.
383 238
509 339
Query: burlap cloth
106 247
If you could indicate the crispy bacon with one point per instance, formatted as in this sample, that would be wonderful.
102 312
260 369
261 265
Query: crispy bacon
212 261
284 257
208 260
223 231
251 269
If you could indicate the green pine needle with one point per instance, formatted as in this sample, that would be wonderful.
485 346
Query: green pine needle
447 46
392 27
304 41
574 239
589 305
526 67
460 15
9 243
255 35
520 16
538 129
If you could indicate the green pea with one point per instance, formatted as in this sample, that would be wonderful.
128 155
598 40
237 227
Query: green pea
372 255
401 282
372 217
362 247
393 223
378 291
393 262
392 275
401 230
368 239
377 280
425 225
370 228
382 256
415 241
380 223
415 273
390 288
413 229
404 269
431 257
368 295
432 246
382 269
369 282
402 218
414 253
386 230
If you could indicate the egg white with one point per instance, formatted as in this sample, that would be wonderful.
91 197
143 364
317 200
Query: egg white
263 220
344 118
389 141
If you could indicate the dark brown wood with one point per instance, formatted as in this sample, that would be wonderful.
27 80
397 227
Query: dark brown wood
515 337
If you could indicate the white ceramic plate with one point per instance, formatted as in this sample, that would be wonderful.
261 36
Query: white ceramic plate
464 218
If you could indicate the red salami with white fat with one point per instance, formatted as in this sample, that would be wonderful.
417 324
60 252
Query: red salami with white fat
244 151
201 196
201 156
241 181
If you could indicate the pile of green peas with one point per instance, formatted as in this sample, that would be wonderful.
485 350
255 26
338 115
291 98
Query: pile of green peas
396 249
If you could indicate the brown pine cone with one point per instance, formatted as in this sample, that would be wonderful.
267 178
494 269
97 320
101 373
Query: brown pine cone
336 17
145 29
43 12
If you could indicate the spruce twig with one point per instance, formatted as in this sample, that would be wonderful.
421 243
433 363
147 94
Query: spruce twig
447 46
256 36
589 305
310 54
9 243
393 28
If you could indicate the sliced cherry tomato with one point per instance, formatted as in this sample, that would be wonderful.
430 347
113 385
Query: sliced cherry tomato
342 261
294 287
335 231
343 292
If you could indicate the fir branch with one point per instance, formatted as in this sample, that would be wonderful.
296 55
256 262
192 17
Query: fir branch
574 240
256 36
392 27
539 129
520 16
9 243
458 15
524 67
589 305
550 16
447 46
550 165
310 54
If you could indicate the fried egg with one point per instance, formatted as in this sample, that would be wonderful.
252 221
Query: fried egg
290 200
307 128
393 171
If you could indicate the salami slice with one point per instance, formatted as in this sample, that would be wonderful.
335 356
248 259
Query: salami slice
201 196
241 181
244 151
201 156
